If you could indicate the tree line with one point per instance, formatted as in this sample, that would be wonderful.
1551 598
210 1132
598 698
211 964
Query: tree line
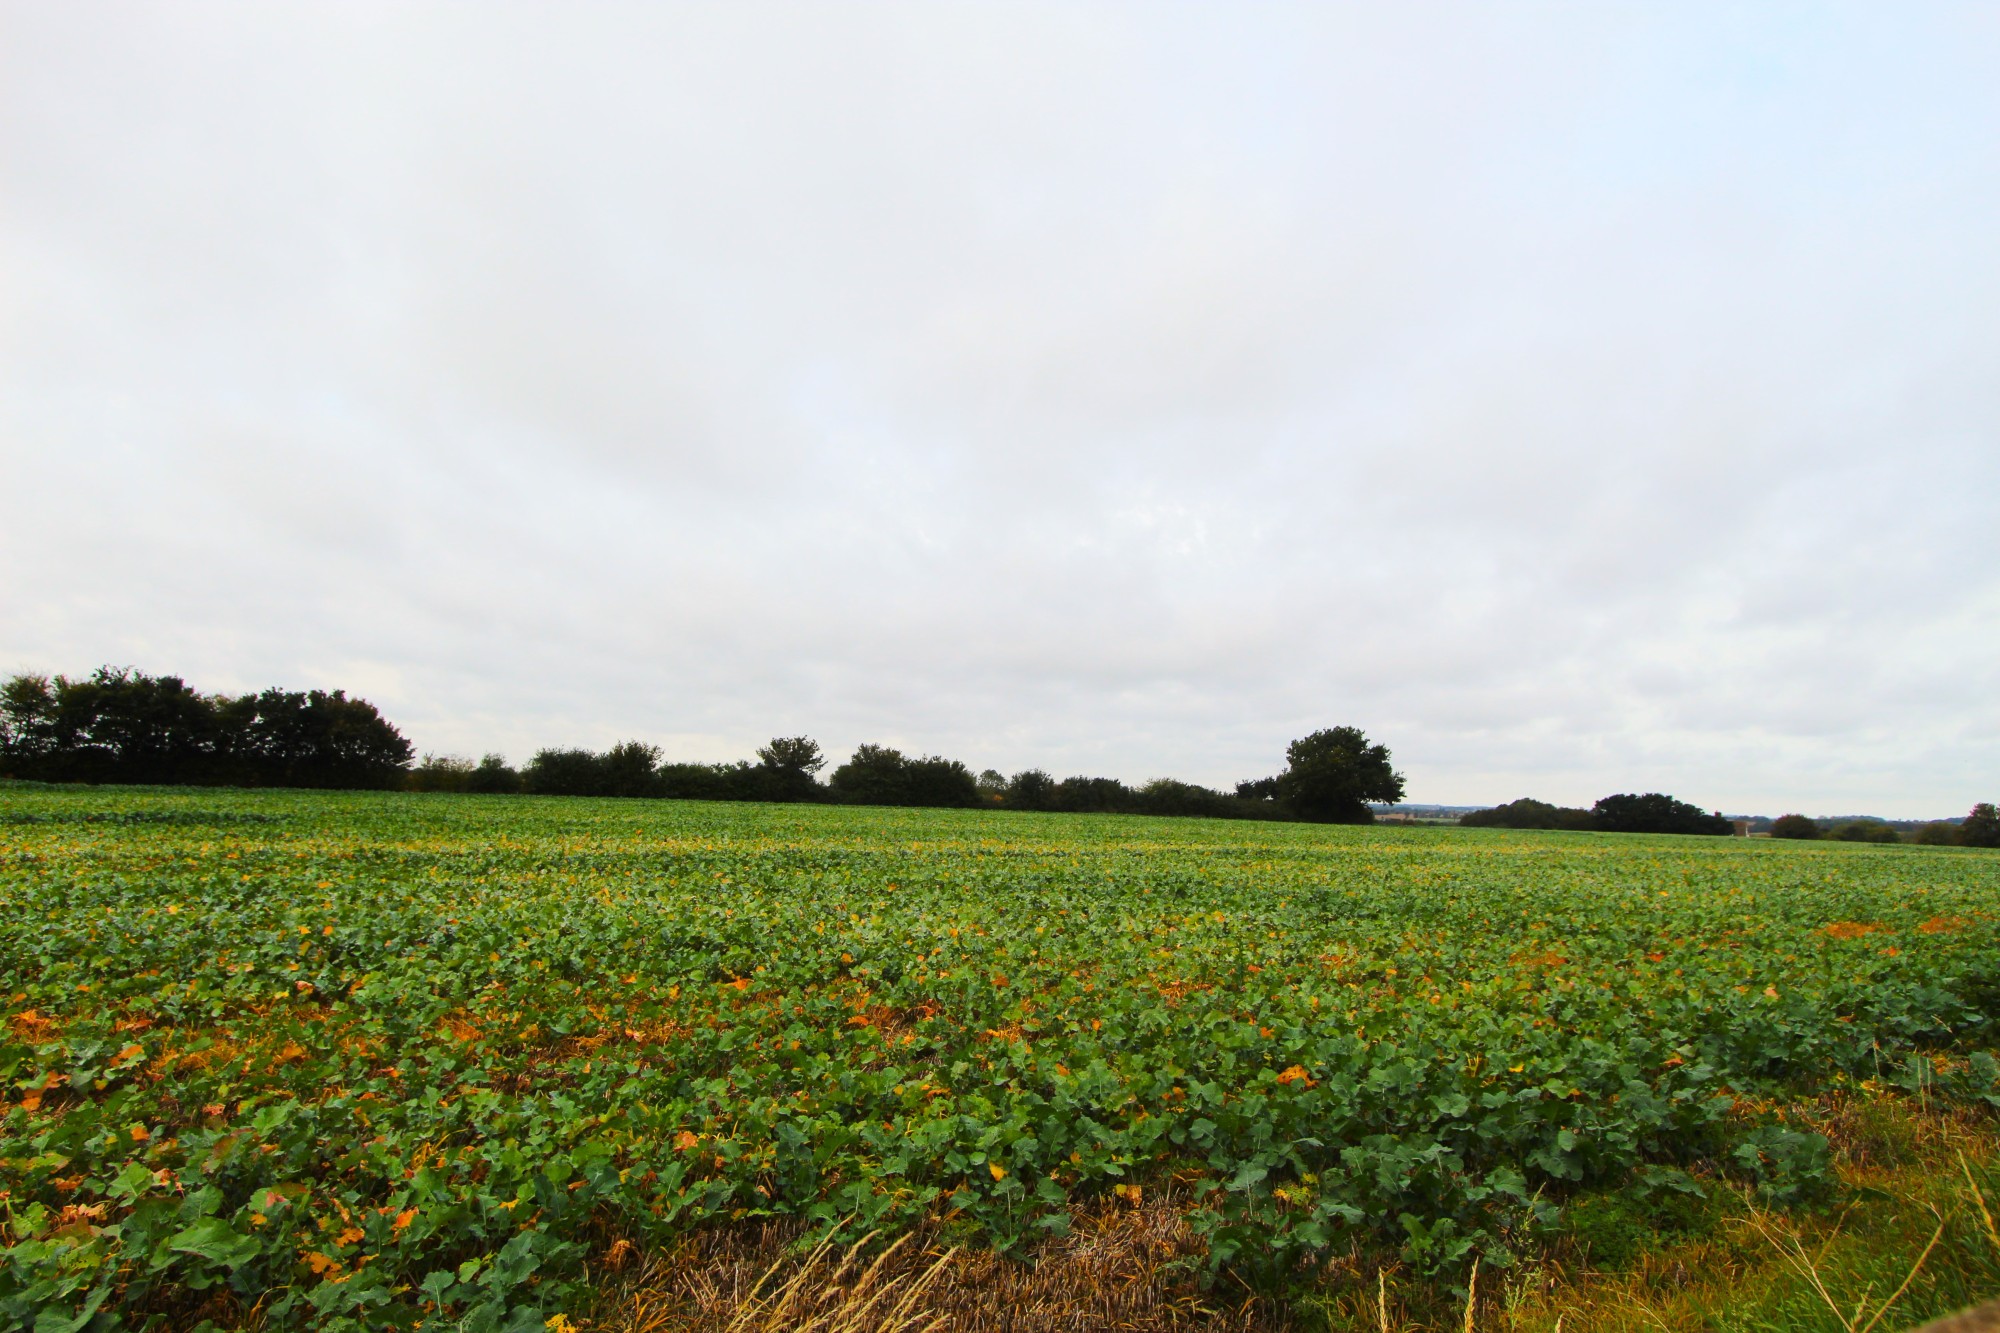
1980 828
123 726
118 725
1656 812
1331 776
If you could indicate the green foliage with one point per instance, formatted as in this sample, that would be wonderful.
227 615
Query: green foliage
1981 828
1656 812
340 1056
1331 776
1798 828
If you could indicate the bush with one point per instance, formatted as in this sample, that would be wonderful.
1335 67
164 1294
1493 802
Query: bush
1794 826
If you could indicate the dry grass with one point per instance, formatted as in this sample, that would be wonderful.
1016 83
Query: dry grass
1122 1267
1917 1237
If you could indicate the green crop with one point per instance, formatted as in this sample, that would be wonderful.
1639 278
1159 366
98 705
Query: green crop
369 1060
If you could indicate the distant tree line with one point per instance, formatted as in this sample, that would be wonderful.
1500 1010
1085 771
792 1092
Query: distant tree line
1654 812
1330 777
1657 813
122 726
1980 828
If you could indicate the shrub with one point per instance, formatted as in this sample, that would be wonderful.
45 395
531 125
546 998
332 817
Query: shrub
1794 826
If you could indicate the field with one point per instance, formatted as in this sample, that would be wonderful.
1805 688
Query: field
371 1061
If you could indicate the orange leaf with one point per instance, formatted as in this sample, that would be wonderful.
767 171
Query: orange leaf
999 1171
140 1133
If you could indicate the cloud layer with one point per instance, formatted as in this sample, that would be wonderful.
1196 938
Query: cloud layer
1577 400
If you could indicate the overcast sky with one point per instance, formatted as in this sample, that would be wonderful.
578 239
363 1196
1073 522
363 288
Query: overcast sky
1578 398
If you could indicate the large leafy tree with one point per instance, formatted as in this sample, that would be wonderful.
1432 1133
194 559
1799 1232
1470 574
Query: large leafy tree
1982 827
1331 776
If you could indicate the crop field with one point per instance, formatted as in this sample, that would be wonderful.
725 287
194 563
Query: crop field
375 1061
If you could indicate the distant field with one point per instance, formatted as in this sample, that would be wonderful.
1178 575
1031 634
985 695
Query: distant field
395 1058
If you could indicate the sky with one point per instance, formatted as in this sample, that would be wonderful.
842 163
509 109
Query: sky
1577 398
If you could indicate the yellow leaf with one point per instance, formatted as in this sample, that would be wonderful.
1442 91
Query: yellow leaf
999 1171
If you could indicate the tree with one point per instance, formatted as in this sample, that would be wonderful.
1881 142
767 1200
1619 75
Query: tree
1981 828
992 787
873 775
493 777
879 775
786 767
1864 830
1794 826
1656 812
631 768
1166 796
1937 833
937 781
440 772
1031 789
1091 796
320 738
1331 776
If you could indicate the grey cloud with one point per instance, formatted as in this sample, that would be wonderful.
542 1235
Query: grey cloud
1576 399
